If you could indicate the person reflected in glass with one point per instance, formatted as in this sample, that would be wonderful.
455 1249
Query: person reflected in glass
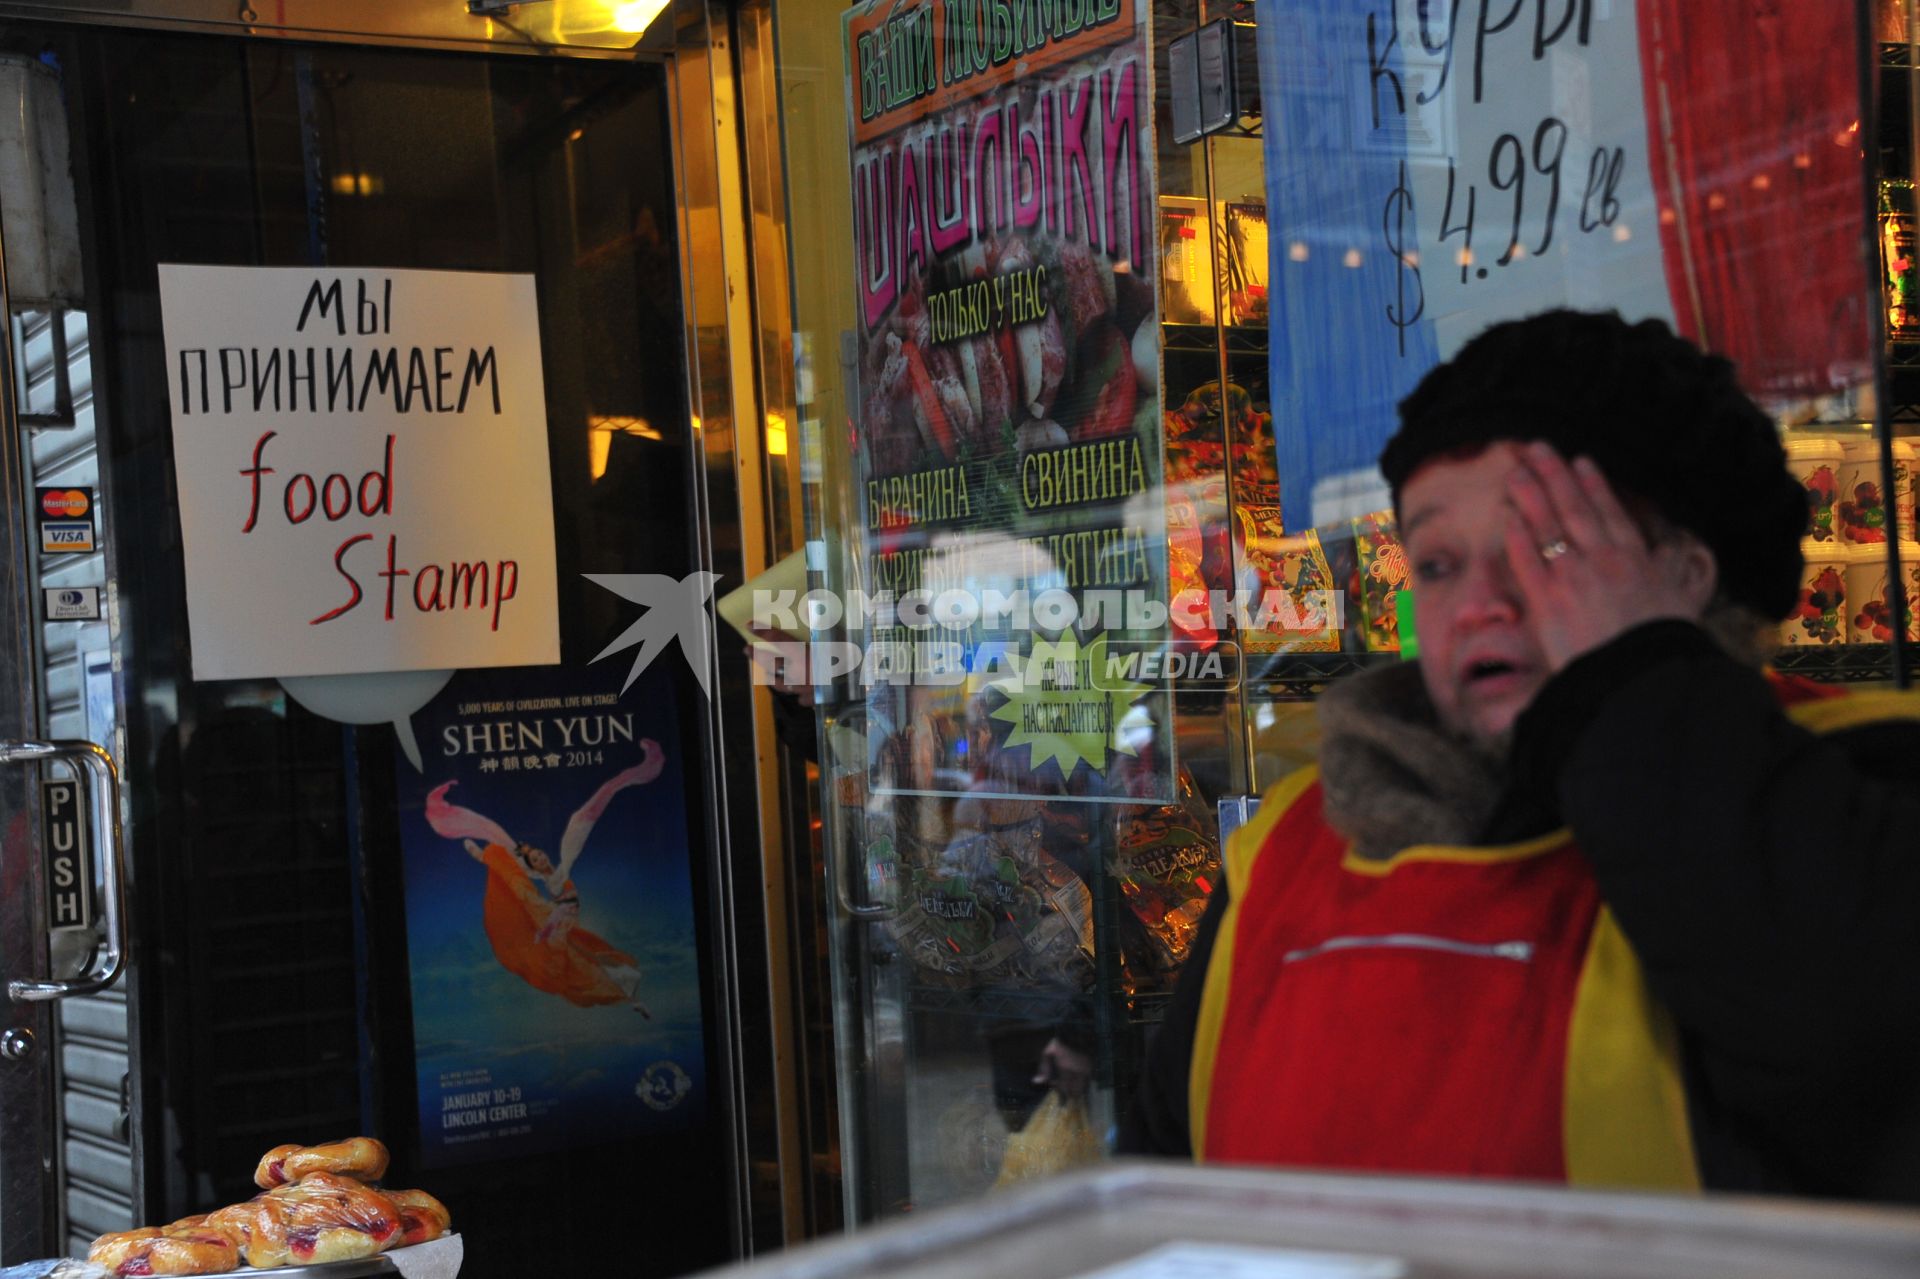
1584 894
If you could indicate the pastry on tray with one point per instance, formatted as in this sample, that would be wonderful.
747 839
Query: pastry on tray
321 1217
422 1217
315 1207
362 1158
187 1247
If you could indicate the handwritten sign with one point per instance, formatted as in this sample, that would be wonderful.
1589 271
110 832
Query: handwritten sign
361 458
1441 167
1540 193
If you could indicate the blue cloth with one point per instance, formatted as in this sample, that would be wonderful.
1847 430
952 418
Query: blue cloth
1338 361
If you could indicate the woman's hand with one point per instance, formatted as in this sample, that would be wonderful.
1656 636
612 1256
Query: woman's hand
1586 570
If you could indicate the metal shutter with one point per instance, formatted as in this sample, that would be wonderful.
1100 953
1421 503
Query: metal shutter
95 1160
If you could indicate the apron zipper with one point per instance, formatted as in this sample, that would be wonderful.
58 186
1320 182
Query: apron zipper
1520 952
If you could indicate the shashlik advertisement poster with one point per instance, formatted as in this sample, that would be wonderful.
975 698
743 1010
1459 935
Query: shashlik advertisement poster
550 915
1007 419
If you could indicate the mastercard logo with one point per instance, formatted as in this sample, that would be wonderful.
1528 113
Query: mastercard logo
65 504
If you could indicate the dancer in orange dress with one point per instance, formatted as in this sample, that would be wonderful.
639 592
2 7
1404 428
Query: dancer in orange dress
531 908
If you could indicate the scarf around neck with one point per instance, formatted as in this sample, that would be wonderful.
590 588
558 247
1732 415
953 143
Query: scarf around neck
1391 776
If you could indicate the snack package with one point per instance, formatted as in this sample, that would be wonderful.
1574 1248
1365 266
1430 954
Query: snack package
1820 617
362 1158
1058 1138
1381 572
1870 604
1293 583
322 1217
1167 863
1861 514
995 906
1816 463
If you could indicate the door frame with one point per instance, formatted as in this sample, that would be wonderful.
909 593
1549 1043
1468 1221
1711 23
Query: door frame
723 363
415 24
29 1156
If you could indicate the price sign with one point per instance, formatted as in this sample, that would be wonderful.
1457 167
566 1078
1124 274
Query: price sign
1439 167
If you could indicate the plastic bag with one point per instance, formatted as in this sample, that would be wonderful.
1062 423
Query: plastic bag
187 1247
422 1217
362 1158
1167 863
56 1268
1058 1137
319 1218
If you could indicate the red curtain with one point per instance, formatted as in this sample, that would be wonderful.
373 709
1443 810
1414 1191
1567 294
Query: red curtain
1754 139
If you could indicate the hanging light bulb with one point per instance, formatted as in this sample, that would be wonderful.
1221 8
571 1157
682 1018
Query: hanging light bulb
636 15
617 22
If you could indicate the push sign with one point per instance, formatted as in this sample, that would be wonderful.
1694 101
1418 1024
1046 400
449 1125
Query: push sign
63 821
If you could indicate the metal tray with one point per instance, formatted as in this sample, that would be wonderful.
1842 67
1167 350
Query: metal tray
384 1264
1071 1227
325 1270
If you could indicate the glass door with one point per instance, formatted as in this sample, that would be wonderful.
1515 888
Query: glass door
316 949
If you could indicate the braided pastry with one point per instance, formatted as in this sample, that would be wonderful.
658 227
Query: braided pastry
319 1218
187 1247
236 1221
422 1217
362 1158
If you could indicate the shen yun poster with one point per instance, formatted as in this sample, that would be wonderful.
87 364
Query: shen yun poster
550 927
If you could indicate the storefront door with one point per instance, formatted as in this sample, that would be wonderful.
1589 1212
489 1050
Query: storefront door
285 871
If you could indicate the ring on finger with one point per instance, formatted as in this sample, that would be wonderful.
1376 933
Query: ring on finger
1555 549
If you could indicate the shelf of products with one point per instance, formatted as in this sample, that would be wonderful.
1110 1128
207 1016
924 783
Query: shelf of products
1001 1003
1294 676
1838 663
1242 339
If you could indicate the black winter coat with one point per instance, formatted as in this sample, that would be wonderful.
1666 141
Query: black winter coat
1769 880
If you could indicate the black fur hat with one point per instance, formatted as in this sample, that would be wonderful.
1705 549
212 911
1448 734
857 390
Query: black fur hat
1663 420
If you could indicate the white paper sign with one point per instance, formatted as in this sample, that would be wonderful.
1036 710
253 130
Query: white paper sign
1540 193
362 468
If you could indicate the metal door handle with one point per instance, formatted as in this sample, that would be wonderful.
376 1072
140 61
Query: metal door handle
836 826
855 910
103 787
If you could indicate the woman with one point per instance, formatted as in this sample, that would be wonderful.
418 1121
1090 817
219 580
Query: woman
1583 894
531 907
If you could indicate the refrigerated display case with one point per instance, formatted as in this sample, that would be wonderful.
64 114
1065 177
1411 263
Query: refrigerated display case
1008 904
1155 1221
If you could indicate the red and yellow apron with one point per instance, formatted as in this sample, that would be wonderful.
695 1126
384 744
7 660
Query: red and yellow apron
1446 1011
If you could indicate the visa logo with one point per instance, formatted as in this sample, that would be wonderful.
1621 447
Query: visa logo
74 536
